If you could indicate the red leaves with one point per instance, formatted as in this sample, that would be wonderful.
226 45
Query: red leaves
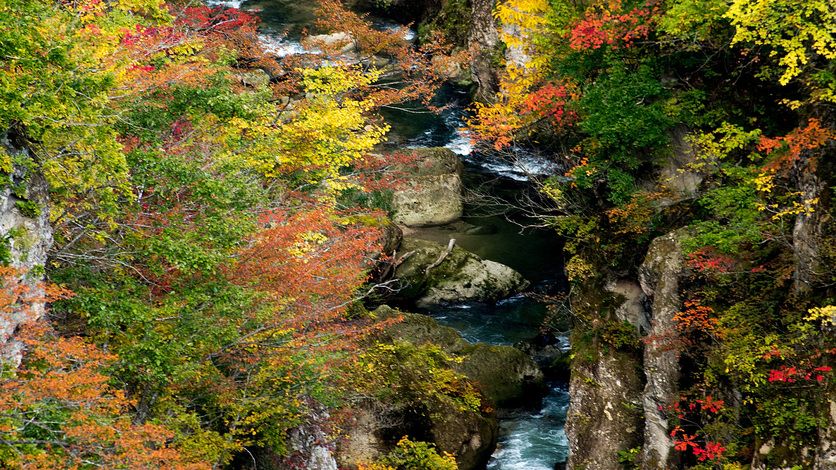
550 102
610 29
791 374
218 19
709 261
682 441
713 406
711 451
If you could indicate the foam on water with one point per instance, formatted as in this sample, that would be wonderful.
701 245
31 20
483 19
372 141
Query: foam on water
226 3
534 442
281 47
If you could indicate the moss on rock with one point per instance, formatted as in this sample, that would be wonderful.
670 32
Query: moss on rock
461 276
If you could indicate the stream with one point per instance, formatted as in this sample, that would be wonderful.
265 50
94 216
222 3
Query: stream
529 439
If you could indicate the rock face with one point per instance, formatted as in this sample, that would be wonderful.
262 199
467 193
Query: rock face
25 239
433 192
605 409
310 445
507 377
659 276
461 276
484 37
678 174
614 407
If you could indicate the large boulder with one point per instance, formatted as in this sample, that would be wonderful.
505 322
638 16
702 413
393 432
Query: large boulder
460 276
506 375
341 40
468 434
432 194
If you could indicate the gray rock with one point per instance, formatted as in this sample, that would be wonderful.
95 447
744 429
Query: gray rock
604 411
25 239
659 276
341 39
310 441
433 191
461 276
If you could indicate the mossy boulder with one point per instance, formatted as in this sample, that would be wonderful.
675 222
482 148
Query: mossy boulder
509 377
432 194
421 329
461 276
378 423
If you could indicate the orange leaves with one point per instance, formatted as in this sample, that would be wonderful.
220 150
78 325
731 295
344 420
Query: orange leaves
810 137
309 264
519 107
697 317
634 216
59 412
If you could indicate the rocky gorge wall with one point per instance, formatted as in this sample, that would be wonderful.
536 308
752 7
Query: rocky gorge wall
633 364
25 239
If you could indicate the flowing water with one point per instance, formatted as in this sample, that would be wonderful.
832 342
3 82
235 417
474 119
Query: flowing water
529 440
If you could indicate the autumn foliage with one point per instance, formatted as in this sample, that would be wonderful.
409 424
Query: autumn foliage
206 223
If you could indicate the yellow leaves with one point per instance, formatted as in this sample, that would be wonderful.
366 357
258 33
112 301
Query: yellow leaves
320 135
765 182
578 270
307 242
824 314
332 81
797 31
724 140
5 161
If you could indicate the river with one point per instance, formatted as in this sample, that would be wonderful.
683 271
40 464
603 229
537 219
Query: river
529 439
